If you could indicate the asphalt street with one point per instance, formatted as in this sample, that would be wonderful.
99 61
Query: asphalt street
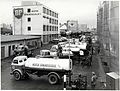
41 83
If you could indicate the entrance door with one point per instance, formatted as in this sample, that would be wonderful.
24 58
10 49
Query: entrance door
9 50
2 52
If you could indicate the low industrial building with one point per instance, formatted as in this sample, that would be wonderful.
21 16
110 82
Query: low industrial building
9 42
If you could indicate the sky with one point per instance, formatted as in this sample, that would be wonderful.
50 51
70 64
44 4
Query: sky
85 11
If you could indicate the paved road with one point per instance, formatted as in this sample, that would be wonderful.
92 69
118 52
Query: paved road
36 83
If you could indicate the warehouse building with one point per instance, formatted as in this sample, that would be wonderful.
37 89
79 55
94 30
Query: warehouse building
9 42
34 18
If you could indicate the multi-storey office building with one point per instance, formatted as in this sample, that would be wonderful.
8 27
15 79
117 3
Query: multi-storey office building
108 32
33 18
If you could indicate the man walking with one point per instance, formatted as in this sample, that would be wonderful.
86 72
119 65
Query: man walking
93 80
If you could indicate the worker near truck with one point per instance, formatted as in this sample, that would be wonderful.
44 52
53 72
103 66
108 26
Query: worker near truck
93 80
59 52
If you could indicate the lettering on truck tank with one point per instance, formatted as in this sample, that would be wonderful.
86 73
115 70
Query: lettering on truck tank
44 65
48 65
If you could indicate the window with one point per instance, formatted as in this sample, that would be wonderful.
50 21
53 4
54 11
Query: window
43 9
55 21
15 61
50 28
47 11
50 12
56 28
49 20
52 21
20 61
43 27
47 27
43 16
57 15
13 47
29 28
29 19
25 59
28 10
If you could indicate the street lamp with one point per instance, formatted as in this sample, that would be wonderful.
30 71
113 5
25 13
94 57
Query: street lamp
68 33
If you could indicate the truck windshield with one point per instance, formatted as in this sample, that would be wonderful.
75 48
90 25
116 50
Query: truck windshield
15 61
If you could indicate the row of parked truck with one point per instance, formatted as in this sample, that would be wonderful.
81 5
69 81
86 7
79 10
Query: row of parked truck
47 62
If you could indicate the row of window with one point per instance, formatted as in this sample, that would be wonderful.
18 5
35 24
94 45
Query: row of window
49 12
52 21
46 11
46 28
50 28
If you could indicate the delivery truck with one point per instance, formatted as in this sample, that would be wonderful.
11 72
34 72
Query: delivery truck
54 68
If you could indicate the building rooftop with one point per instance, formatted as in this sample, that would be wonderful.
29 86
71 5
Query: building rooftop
8 38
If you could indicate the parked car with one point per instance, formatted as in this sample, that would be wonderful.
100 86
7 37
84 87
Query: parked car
44 54
65 51
62 39
62 44
73 47
55 41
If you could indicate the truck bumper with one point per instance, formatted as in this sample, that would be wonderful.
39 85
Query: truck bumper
11 73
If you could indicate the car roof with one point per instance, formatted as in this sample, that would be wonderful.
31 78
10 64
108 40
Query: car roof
20 57
44 50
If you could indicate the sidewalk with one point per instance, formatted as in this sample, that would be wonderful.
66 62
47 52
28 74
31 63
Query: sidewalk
101 76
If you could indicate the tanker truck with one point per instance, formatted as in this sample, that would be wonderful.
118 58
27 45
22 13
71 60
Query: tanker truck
54 68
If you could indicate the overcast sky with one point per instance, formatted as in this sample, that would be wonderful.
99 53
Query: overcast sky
85 11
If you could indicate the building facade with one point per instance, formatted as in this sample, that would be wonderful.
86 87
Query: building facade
9 42
83 27
108 35
6 29
33 18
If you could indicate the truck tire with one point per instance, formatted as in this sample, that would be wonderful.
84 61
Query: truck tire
53 79
17 75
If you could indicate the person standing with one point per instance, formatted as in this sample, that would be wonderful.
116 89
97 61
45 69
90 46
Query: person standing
59 50
93 80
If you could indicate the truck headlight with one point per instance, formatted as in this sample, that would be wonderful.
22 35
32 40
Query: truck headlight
13 67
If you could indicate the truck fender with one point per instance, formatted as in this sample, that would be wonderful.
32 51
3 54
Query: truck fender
54 73
18 71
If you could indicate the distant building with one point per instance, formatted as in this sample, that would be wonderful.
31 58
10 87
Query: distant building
72 26
9 42
83 27
34 18
63 27
6 29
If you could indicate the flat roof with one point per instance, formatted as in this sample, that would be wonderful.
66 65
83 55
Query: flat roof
113 75
8 38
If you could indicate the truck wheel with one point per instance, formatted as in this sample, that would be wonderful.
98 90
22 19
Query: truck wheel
17 75
53 79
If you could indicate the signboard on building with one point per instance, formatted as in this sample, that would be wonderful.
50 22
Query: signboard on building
72 25
18 12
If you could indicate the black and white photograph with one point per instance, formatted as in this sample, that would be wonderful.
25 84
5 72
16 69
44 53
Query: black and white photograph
59 45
